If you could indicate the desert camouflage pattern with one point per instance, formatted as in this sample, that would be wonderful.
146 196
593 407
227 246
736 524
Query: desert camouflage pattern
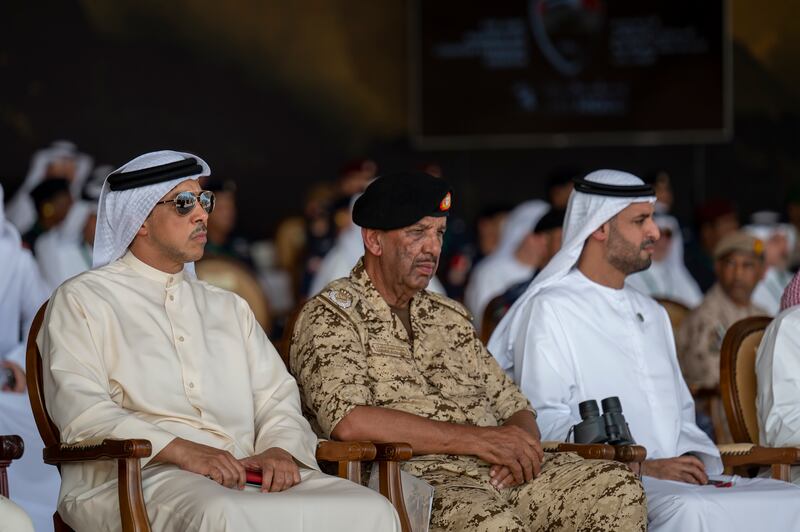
699 337
348 349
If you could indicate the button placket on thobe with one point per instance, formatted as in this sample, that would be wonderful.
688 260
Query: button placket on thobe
182 341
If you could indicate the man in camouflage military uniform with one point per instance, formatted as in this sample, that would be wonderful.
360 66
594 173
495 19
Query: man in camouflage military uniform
739 265
377 357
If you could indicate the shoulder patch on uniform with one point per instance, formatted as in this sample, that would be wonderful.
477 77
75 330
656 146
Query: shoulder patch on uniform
341 297
451 304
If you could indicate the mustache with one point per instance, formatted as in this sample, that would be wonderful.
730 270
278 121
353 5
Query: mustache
648 242
432 259
200 228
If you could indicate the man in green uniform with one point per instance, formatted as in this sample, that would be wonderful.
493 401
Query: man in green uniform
378 357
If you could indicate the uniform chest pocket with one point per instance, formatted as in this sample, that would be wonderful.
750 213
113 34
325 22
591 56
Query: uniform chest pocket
391 363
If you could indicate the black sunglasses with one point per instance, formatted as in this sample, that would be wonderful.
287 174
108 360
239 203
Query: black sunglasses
185 201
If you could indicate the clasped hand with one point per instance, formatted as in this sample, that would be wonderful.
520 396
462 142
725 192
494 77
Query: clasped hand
516 456
279 471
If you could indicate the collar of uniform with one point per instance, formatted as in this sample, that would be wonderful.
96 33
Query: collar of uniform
372 297
145 270
717 293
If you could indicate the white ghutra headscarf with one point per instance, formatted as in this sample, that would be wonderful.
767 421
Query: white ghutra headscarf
121 213
585 214
21 210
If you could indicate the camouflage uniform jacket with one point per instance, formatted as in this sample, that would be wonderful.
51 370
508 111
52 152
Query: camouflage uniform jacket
699 337
348 349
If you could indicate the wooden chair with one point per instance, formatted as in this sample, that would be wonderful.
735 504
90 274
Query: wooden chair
676 311
11 448
738 385
706 399
128 453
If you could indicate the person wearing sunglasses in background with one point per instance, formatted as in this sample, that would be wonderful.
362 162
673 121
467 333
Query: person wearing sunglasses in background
139 348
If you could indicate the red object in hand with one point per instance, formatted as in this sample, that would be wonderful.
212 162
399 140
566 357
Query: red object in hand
253 477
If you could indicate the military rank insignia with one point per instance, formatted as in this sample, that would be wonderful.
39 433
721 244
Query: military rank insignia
341 297
444 205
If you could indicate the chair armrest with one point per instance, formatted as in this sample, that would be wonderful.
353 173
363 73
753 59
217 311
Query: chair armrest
393 452
592 451
11 448
94 450
739 454
630 453
780 459
345 451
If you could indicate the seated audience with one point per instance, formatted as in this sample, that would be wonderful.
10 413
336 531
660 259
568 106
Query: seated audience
53 202
22 291
778 241
59 160
549 229
378 357
579 333
222 239
518 255
739 265
714 220
667 277
66 250
139 348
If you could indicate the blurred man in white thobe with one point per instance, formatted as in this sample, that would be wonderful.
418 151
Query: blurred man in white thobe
139 348
33 484
779 240
516 258
579 333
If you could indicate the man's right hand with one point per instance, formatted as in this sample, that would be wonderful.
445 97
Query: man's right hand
211 462
512 447
687 468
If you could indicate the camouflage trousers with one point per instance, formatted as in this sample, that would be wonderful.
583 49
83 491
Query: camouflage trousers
570 494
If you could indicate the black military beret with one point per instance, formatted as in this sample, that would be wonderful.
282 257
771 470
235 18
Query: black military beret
402 199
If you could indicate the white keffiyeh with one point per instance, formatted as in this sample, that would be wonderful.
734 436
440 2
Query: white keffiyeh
585 214
21 210
121 213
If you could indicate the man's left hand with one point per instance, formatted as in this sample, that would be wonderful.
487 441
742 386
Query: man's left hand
501 477
19 377
279 471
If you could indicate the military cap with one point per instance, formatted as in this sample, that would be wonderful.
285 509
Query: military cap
741 242
402 199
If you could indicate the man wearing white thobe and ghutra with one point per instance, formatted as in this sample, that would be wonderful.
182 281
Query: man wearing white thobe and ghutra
33 484
515 260
139 348
66 250
779 240
579 333
777 369
60 159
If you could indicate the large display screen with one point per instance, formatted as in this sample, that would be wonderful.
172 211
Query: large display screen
565 72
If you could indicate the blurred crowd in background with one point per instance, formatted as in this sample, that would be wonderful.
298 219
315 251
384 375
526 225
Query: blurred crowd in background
485 262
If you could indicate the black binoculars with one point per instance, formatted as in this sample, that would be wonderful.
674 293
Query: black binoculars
611 427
